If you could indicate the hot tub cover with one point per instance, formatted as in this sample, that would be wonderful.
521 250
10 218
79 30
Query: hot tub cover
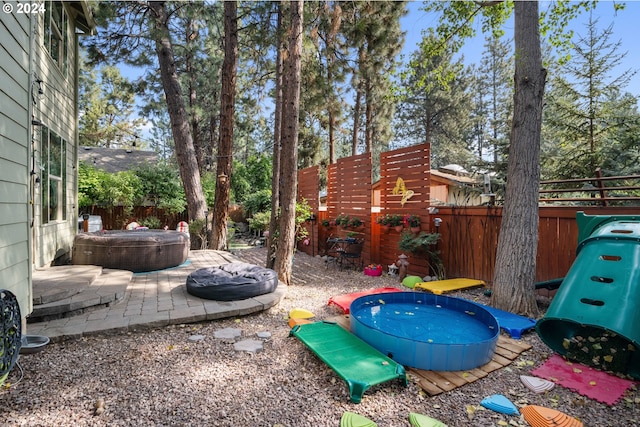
232 282
136 251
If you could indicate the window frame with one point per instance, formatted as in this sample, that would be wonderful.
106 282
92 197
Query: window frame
53 181
55 29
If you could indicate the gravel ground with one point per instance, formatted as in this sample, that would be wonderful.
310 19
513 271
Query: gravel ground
160 377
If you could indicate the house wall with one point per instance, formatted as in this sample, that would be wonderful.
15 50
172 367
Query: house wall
15 135
57 110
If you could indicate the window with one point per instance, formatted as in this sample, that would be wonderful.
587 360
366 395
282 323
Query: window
53 176
55 33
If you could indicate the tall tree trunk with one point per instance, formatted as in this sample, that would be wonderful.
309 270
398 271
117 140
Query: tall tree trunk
289 149
515 272
368 118
277 134
225 143
190 35
213 132
357 105
185 152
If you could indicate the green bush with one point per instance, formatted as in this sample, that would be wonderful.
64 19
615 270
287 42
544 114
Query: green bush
260 221
159 185
260 201
151 222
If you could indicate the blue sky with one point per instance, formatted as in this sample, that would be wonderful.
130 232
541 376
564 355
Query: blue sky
625 29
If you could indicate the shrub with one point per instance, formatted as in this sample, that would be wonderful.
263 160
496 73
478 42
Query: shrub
260 201
260 221
151 222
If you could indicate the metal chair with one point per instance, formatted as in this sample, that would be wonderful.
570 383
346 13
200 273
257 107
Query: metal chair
332 252
10 333
351 256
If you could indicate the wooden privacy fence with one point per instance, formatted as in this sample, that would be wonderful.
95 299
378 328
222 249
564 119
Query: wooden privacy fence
469 234
115 217
470 239
403 190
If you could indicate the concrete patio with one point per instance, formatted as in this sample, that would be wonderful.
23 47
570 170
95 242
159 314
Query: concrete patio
117 301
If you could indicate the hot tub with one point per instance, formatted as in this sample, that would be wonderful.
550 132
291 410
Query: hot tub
135 251
426 331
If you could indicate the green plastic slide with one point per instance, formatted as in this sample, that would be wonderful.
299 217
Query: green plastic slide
356 362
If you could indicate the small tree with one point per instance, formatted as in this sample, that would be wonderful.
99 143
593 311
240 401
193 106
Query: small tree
424 244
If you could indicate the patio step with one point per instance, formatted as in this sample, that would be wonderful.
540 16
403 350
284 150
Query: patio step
66 291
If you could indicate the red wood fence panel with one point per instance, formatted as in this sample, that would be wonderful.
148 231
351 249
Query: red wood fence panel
308 189
470 239
349 193
411 165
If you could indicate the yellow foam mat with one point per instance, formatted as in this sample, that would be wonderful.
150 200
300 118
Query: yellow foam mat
441 286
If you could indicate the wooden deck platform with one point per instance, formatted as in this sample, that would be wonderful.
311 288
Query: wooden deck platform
436 382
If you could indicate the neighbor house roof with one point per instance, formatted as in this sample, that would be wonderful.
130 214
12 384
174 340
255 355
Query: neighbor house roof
114 160
452 179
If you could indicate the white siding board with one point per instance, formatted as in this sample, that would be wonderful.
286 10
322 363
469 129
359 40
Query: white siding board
15 280
11 213
12 87
17 38
13 141
14 254
13 172
11 234
10 192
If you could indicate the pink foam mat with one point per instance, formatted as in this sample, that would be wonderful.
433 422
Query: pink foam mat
583 379
344 301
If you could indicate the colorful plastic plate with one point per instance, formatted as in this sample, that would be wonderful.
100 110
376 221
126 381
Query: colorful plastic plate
350 419
537 385
300 313
539 416
419 420
501 404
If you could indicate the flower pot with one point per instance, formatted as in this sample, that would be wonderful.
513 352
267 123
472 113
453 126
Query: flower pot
415 230
385 228
398 228
373 271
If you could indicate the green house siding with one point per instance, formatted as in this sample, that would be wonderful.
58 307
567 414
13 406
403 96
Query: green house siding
56 109
36 89
15 134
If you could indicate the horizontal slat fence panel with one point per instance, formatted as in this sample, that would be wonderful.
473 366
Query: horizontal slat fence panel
411 165
349 193
308 189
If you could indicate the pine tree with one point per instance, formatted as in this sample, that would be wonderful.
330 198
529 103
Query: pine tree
495 78
373 31
106 108
434 111
586 108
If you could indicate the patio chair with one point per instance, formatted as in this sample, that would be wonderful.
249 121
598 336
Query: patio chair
332 252
351 256
10 333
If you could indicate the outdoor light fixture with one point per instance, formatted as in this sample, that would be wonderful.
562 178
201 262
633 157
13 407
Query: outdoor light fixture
223 178
36 122
37 94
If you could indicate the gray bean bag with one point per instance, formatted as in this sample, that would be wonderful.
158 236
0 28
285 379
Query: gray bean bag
232 282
